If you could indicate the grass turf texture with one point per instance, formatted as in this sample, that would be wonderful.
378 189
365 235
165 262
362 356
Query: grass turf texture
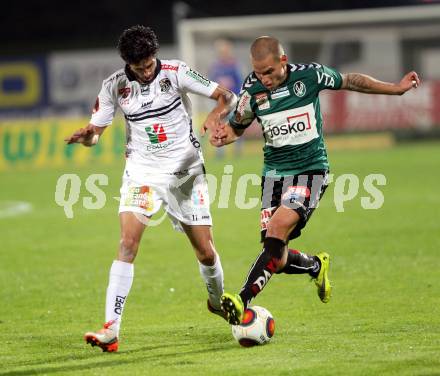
384 317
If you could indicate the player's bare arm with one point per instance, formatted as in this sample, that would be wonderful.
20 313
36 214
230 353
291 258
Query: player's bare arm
367 84
226 101
88 136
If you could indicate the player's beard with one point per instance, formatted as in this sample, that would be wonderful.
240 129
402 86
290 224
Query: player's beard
144 81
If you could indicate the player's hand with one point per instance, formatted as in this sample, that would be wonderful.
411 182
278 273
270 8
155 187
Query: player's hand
220 136
214 118
211 123
215 141
409 81
85 136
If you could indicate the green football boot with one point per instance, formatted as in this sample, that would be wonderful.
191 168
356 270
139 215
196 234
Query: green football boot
218 312
233 306
321 281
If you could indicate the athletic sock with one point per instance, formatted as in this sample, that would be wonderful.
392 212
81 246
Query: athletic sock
301 263
120 281
213 277
264 266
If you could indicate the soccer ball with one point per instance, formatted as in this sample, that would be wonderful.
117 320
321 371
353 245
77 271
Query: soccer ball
257 327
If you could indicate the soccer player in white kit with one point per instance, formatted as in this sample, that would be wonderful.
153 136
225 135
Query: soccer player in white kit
164 164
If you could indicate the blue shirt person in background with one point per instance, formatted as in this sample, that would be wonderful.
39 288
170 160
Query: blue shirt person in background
226 71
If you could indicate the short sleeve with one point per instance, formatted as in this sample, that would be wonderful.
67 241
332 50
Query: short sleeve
327 78
104 109
243 115
189 80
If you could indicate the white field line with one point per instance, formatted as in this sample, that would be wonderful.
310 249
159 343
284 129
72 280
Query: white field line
14 208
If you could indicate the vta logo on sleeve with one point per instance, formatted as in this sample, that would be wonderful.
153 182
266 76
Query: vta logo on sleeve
328 80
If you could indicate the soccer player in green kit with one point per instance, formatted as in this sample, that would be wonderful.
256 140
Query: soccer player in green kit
284 99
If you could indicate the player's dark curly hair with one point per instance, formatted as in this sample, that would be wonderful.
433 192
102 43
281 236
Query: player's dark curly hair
137 43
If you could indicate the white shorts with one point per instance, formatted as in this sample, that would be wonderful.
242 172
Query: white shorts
184 195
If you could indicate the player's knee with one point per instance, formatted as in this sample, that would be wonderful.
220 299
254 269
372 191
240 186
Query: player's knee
129 244
276 231
206 255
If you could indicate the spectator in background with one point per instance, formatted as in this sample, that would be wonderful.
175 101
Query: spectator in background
226 71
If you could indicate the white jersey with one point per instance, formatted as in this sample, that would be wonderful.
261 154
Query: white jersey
158 115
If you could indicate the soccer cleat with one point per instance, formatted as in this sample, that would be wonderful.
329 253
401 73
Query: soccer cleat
218 312
233 306
322 281
106 338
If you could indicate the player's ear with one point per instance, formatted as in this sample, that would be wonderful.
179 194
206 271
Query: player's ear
283 59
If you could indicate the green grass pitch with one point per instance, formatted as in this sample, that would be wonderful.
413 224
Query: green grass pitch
383 319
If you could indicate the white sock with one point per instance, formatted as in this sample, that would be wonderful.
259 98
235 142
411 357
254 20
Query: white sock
213 277
120 281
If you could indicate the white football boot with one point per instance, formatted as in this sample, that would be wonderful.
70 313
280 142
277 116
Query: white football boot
106 338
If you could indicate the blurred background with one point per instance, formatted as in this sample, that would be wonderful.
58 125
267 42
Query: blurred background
53 59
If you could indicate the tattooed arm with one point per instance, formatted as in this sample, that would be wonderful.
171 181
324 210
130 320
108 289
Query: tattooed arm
366 84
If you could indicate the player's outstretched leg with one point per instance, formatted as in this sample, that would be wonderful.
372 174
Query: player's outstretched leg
233 306
316 266
301 263
106 338
321 281
259 275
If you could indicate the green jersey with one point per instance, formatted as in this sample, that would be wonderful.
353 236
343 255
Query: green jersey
290 117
